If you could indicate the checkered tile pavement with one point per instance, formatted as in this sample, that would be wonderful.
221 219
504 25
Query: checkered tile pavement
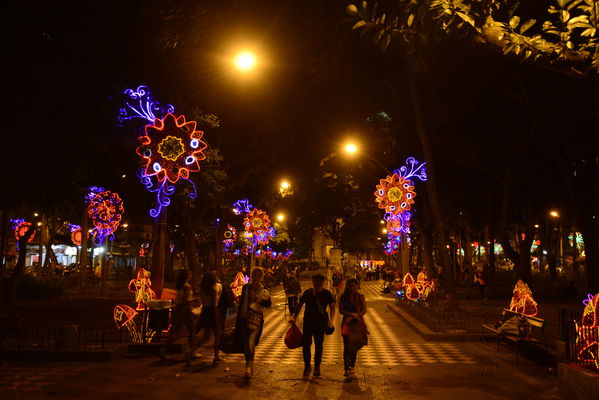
15 378
384 346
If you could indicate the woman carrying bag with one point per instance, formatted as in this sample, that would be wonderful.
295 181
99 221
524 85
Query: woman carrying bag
352 306
250 319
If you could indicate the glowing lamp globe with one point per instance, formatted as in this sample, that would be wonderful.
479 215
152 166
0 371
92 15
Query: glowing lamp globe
245 61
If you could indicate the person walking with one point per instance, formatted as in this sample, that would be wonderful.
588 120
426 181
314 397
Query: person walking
182 316
352 307
337 283
293 289
480 282
210 321
250 319
316 321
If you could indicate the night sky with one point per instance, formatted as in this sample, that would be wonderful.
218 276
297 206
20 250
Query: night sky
318 83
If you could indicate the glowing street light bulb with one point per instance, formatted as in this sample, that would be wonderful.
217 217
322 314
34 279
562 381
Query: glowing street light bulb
351 148
245 61
385 231
281 217
285 185
554 214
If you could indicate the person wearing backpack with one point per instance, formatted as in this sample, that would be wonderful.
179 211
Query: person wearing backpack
316 321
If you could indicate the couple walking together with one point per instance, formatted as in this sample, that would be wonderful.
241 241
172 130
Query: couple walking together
317 322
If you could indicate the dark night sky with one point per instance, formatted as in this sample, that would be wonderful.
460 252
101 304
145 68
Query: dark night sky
70 61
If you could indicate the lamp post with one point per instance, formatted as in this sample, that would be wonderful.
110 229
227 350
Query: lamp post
351 148
555 215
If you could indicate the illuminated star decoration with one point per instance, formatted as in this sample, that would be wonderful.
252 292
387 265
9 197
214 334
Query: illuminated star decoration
75 234
171 149
395 194
587 331
139 104
106 211
20 228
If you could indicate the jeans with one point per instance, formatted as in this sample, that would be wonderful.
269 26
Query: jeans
349 358
292 303
318 334
249 341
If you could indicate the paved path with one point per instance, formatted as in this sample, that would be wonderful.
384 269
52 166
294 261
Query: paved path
396 364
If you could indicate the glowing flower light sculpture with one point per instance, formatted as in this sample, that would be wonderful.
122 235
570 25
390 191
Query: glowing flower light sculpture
522 301
20 228
106 211
587 331
242 206
171 149
395 194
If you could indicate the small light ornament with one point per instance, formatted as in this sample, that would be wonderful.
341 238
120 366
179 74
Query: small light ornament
256 221
522 301
230 236
242 206
106 211
587 332
142 287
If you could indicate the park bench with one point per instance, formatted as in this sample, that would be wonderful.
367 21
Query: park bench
537 336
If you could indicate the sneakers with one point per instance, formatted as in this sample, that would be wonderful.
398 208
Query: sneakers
307 371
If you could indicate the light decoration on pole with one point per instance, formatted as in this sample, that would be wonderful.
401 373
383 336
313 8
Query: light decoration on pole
579 240
395 194
587 332
242 206
522 301
75 234
171 149
106 211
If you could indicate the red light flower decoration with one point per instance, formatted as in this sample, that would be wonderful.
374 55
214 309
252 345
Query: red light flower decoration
76 237
106 211
22 229
256 221
395 194
171 148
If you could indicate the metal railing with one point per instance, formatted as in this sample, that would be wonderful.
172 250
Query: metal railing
582 342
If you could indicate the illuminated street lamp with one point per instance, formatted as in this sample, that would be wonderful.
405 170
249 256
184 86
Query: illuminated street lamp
554 214
245 61
285 188
351 148
280 217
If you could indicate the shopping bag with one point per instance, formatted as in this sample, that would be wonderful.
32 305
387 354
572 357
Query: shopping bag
357 337
294 337
231 342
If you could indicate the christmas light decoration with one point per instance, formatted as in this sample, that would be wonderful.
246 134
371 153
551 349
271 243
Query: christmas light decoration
579 240
393 244
171 149
242 206
141 105
256 221
124 316
522 301
142 287
587 332
20 228
230 236
144 249
106 211
75 234
497 248
395 193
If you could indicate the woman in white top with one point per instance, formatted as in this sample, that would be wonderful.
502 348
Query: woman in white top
210 292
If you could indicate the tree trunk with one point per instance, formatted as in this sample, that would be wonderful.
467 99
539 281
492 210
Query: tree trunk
435 205
11 294
84 260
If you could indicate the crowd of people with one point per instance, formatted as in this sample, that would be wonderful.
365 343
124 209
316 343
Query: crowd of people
249 297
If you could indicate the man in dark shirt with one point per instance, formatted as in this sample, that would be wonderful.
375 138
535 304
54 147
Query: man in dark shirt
316 320
292 289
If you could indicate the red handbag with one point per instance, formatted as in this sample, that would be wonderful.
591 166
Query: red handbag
293 337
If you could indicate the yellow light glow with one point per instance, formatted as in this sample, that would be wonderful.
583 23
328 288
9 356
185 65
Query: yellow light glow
281 217
384 231
554 214
351 148
125 225
245 61
39 224
285 185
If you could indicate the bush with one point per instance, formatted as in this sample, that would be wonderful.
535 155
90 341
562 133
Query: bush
39 288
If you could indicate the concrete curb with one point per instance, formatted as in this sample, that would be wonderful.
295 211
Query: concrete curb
64 355
427 333
577 382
